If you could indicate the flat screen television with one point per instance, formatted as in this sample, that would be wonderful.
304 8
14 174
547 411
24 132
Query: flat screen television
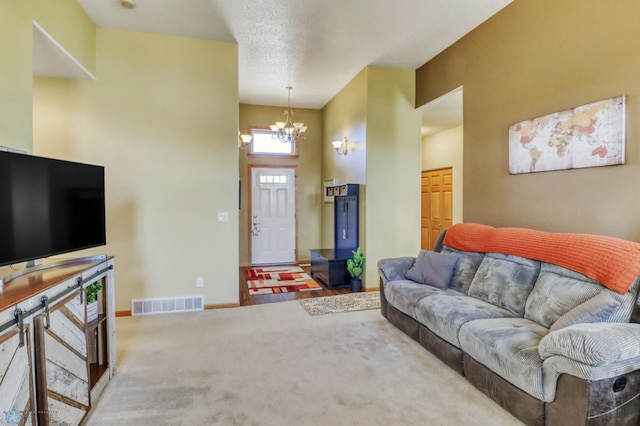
48 207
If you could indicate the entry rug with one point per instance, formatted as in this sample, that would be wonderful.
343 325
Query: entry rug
279 279
341 303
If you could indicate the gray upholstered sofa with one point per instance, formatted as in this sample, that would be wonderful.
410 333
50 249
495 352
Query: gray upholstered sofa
552 345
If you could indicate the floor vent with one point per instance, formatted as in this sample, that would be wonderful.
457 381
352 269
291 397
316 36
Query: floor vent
167 305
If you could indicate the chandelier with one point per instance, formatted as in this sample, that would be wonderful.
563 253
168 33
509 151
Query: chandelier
288 131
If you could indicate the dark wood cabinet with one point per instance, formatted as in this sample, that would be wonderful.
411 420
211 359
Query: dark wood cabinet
330 265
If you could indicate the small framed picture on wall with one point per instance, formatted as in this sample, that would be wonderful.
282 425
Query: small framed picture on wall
329 190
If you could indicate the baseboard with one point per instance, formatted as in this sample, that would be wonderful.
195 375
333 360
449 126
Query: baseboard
123 313
222 306
372 289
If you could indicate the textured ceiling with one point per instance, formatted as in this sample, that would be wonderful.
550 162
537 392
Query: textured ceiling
316 46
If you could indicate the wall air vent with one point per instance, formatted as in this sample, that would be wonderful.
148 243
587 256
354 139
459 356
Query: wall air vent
166 305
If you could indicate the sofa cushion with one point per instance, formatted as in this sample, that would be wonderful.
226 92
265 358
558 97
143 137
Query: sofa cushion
444 314
405 294
465 269
435 269
593 344
597 309
556 292
509 348
505 281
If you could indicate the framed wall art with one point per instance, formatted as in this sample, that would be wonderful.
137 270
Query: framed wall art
586 136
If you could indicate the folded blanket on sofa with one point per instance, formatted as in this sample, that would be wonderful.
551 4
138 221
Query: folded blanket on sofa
613 262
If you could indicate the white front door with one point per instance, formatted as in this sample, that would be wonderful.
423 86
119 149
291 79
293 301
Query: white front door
273 218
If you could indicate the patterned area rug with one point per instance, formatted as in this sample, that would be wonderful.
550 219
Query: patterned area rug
341 303
279 279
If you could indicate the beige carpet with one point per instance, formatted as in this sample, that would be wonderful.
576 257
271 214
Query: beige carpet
274 364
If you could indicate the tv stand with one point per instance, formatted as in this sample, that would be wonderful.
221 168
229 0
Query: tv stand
62 360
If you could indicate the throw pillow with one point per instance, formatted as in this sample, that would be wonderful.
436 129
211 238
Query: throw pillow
597 309
434 269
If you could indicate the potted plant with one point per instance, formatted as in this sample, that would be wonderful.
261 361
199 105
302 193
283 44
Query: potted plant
92 300
355 268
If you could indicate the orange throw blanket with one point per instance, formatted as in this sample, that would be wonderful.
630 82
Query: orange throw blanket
611 261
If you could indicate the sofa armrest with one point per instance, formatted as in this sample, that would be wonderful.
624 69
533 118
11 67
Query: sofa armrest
394 268
595 344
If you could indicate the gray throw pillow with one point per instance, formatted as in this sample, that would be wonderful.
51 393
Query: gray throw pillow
434 269
597 309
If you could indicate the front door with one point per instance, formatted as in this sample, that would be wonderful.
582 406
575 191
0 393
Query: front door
437 209
273 218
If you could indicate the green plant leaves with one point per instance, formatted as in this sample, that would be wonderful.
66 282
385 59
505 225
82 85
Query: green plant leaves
355 264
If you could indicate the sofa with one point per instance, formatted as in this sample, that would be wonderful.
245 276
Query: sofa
545 324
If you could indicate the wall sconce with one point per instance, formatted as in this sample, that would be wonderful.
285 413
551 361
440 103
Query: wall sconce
341 147
244 140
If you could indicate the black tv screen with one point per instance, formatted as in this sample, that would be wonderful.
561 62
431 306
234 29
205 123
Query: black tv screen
48 207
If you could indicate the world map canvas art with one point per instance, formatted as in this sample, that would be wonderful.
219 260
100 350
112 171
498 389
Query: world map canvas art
587 136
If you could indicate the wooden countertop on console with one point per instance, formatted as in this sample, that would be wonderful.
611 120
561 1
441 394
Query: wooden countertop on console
29 284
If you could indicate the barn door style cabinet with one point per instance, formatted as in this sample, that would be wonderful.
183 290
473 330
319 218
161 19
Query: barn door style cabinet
54 363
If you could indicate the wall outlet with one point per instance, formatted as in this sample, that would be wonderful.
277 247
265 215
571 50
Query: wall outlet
223 216
199 282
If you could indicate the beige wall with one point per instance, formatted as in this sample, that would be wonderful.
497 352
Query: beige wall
308 183
163 119
441 150
16 64
345 115
534 58
69 25
393 168
76 33
376 111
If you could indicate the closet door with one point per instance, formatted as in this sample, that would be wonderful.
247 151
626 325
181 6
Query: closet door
61 363
437 205
17 404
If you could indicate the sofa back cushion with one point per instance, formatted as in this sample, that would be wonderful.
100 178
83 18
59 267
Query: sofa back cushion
599 308
505 281
556 292
465 269
606 306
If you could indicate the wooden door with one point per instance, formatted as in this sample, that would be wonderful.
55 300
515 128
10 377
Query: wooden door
61 363
437 205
